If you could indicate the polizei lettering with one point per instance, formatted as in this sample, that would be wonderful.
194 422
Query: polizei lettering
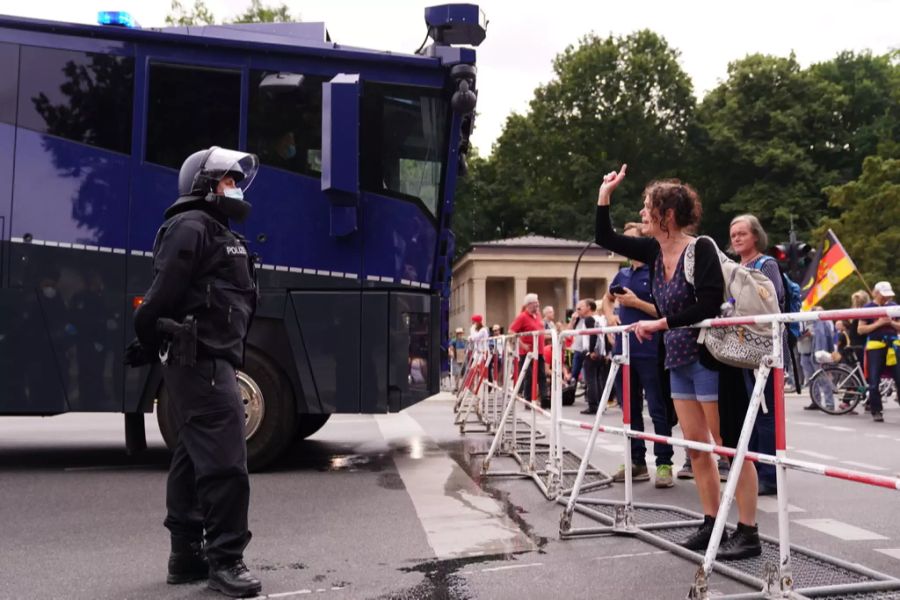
233 250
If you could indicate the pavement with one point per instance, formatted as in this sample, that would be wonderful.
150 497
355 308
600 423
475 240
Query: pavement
392 507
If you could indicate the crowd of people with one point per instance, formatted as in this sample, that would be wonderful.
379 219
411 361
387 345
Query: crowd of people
680 380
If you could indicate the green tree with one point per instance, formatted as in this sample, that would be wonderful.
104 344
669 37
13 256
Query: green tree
869 123
200 14
868 224
612 100
258 13
754 147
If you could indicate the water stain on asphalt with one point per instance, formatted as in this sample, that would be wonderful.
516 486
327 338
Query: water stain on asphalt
391 481
267 566
458 452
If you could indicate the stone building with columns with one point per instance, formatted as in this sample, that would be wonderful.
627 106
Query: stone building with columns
492 278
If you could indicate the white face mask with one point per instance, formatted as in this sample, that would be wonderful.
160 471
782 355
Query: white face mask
49 292
235 192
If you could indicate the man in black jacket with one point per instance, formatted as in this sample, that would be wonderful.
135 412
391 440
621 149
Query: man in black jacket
203 274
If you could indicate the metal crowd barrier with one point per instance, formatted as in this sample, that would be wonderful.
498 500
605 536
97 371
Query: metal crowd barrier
497 405
817 575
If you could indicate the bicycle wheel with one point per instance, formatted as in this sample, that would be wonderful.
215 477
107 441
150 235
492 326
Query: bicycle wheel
836 389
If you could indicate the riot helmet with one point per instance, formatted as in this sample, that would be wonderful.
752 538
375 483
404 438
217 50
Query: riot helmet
202 171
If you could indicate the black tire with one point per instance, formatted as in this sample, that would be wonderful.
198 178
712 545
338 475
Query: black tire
277 418
848 388
309 424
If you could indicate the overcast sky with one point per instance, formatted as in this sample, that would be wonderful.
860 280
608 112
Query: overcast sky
525 35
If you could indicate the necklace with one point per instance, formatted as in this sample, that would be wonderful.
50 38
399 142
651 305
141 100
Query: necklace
752 259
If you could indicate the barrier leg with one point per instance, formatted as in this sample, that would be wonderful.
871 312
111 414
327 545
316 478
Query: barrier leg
507 413
625 520
785 575
702 576
565 522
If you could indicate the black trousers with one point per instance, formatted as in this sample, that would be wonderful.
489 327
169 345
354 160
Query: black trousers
208 487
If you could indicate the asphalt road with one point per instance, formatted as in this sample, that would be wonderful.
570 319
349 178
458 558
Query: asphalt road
387 507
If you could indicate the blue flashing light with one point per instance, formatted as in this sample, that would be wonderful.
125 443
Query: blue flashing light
117 18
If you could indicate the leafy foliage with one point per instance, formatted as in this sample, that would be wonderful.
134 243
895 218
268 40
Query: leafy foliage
200 14
613 99
785 143
868 224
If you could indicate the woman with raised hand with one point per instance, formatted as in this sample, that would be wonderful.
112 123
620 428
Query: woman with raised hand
671 210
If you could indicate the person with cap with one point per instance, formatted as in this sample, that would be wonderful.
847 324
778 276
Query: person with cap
457 351
530 320
882 346
203 283
478 334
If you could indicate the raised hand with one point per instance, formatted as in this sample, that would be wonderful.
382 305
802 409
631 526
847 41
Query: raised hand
610 182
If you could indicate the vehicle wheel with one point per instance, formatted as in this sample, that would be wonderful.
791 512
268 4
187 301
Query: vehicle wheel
309 424
846 386
270 417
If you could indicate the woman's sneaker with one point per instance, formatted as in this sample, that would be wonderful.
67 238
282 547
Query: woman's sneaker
664 476
743 543
638 473
699 540
687 471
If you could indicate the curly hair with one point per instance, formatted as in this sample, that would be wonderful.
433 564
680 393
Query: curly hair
681 198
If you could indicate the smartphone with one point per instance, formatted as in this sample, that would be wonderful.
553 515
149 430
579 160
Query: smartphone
616 289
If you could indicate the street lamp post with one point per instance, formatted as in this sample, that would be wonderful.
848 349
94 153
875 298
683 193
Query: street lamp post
575 274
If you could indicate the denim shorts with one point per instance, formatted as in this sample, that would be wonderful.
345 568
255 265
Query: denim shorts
693 381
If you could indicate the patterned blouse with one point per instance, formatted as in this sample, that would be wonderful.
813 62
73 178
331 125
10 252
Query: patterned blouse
672 297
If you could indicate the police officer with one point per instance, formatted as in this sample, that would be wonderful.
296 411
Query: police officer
202 270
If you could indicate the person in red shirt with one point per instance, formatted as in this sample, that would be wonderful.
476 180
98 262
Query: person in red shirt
530 320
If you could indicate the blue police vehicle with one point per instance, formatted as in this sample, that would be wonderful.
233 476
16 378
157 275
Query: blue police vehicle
359 152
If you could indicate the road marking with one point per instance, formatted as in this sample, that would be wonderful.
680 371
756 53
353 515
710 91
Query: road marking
892 552
815 454
838 428
297 593
614 448
511 567
636 554
458 518
769 504
862 465
840 530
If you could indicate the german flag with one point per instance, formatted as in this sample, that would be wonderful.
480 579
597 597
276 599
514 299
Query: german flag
829 267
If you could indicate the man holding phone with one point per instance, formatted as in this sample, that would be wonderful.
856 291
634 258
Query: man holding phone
631 289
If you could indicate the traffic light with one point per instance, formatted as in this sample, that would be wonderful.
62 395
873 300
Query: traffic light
793 257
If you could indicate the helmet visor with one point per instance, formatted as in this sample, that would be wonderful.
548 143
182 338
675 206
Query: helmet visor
240 165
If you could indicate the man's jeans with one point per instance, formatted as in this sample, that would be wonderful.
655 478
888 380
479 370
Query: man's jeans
876 361
644 378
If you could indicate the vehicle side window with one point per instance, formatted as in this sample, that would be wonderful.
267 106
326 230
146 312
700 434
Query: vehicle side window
9 83
80 96
404 142
190 108
284 128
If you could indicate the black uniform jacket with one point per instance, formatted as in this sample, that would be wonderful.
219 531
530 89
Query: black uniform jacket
200 268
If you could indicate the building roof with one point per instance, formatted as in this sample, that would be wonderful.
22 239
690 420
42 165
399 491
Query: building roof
532 241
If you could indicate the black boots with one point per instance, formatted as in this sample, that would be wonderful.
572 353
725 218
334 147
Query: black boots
699 540
187 561
233 579
743 543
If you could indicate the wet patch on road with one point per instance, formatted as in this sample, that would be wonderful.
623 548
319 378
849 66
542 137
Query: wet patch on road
391 481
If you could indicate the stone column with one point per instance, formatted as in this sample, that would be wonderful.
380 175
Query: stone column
520 288
568 299
479 297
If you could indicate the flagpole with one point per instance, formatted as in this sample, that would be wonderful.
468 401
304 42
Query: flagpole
861 278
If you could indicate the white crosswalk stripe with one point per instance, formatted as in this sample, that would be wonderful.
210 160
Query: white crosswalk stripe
839 529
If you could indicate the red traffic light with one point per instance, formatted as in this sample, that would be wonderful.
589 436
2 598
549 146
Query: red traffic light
780 253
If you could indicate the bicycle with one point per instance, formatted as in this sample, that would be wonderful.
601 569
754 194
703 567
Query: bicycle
845 383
